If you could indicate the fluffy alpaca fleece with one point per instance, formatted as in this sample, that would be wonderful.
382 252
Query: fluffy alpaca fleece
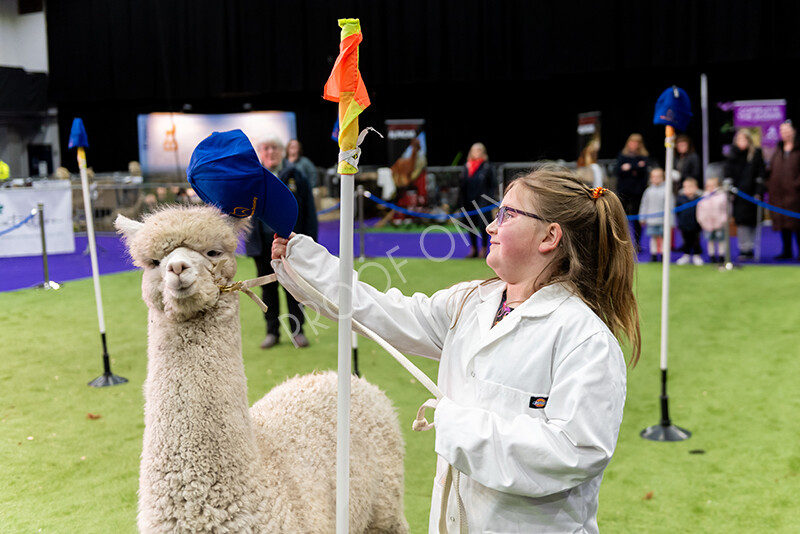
210 464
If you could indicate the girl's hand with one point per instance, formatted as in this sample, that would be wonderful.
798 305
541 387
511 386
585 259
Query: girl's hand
279 246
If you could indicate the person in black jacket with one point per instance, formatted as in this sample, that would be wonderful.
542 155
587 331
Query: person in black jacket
259 243
478 186
745 166
687 163
632 171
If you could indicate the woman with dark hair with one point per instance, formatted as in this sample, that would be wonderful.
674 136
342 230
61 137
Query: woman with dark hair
687 162
784 188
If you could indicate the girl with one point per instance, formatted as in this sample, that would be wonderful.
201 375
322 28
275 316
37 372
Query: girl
531 370
651 212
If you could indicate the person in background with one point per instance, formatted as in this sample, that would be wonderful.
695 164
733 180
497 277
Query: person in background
745 167
530 365
712 216
258 244
478 186
294 156
651 211
687 163
589 170
688 225
631 170
784 188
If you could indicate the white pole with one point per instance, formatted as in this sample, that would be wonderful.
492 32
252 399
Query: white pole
87 208
667 244
704 112
345 346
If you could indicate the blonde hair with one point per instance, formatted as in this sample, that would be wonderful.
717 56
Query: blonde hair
596 254
641 151
751 143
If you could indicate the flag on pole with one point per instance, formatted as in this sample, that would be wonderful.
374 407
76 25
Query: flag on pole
346 87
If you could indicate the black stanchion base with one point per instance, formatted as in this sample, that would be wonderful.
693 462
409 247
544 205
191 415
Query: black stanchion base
665 433
107 379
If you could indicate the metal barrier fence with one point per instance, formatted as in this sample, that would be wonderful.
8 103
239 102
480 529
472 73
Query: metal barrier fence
132 196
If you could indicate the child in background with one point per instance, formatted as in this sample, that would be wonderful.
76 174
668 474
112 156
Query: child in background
651 212
712 215
688 225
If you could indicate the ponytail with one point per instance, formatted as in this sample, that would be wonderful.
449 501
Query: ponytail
596 256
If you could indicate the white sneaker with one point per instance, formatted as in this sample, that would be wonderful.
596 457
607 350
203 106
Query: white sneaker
683 260
697 260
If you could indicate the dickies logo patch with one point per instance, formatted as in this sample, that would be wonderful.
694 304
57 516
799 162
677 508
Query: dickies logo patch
537 403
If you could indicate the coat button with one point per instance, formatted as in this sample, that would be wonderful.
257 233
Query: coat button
473 374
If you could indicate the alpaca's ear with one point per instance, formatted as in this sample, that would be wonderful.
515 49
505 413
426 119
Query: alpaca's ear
243 225
126 226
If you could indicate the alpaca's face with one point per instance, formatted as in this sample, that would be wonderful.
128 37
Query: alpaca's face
186 254
183 283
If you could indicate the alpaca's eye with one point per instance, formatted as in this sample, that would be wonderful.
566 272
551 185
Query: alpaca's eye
155 263
213 253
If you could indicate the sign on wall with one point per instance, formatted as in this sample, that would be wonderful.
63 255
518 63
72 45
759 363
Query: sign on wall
167 140
16 205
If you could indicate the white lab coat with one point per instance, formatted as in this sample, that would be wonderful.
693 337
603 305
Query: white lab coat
532 407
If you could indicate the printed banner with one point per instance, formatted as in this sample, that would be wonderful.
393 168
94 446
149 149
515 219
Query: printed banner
408 156
763 118
167 140
16 205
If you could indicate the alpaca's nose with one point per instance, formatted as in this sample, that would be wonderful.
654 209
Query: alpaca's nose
177 266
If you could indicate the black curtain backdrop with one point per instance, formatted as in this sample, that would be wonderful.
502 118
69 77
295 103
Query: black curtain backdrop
512 74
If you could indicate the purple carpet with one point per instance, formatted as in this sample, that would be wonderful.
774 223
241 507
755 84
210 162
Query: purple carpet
26 272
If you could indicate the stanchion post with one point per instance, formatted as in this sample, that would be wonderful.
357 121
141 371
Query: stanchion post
47 284
727 186
360 196
665 430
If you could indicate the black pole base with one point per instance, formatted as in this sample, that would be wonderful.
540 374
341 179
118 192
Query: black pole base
665 433
107 379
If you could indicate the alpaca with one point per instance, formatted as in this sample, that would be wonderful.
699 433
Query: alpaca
210 464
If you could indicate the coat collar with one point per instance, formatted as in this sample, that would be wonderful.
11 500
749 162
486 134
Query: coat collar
540 304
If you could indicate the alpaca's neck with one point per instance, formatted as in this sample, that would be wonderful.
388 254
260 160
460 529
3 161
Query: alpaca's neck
198 431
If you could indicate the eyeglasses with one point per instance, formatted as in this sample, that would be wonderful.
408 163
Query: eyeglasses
503 214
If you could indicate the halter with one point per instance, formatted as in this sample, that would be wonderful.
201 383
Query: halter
243 285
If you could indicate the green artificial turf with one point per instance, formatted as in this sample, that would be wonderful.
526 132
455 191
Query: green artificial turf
733 360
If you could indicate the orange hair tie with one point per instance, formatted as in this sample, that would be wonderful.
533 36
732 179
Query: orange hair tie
597 192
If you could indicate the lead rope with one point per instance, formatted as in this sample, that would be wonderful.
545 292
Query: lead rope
363 330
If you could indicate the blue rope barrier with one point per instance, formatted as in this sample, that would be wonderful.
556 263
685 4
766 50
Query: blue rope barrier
682 207
23 221
763 204
422 215
745 196
328 210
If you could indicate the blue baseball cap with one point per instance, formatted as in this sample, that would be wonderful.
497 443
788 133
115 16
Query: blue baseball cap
224 171
673 108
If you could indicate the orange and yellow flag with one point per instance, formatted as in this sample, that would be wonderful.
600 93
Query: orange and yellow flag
346 87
